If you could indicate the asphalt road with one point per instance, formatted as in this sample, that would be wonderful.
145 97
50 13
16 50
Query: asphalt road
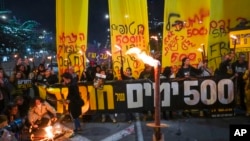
179 128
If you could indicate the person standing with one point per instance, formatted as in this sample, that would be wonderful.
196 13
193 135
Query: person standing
74 100
225 68
246 78
206 72
238 68
127 75
186 70
4 90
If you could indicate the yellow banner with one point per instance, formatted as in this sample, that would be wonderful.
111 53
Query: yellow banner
190 25
71 34
185 31
128 28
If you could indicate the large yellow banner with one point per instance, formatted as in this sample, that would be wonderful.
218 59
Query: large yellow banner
193 26
184 31
71 34
128 28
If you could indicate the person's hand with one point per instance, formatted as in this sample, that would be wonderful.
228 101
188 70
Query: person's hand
54 119
35 126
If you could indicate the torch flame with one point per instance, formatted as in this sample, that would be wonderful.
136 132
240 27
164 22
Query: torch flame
200 49
108 53
233 36
154 37
143 56
118 47
49 132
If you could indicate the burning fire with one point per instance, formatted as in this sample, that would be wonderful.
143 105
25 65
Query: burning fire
49 132
143 56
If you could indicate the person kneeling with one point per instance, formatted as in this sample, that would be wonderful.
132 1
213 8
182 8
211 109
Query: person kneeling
40 112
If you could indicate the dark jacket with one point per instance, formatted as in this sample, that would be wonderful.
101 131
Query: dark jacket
74 96
193 72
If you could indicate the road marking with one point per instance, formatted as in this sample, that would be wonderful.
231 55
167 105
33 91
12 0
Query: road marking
79 138
119 135
139 131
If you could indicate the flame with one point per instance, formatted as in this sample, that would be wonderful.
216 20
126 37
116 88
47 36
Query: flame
154 37
200 49
143 56
118 47
108 53
49 132
233 36
81 52
57 129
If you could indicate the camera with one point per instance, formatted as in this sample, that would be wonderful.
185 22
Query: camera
14 126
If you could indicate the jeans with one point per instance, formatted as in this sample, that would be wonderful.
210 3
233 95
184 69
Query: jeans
77 123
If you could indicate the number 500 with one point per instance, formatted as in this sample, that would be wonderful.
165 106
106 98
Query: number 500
223 92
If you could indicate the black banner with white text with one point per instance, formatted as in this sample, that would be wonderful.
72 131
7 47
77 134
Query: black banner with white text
138 95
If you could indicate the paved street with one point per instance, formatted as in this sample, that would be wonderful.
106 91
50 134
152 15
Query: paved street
179 129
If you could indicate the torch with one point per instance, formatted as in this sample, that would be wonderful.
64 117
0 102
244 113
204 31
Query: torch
50 58
82 55
234 41
33 62
120 49
153 62
67 61
109 54
15 56
203 52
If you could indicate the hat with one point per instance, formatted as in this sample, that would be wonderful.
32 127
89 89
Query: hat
67 75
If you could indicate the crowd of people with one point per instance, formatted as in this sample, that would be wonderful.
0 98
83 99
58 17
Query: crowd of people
16 102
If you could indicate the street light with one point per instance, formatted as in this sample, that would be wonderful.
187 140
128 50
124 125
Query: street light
50 58
33 62
15 56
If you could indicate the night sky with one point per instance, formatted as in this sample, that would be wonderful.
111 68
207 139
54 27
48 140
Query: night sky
43 11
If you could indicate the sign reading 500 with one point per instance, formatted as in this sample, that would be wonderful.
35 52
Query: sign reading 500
139 94
188 92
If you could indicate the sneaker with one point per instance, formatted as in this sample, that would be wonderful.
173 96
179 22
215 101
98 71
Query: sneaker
114 120
77 130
